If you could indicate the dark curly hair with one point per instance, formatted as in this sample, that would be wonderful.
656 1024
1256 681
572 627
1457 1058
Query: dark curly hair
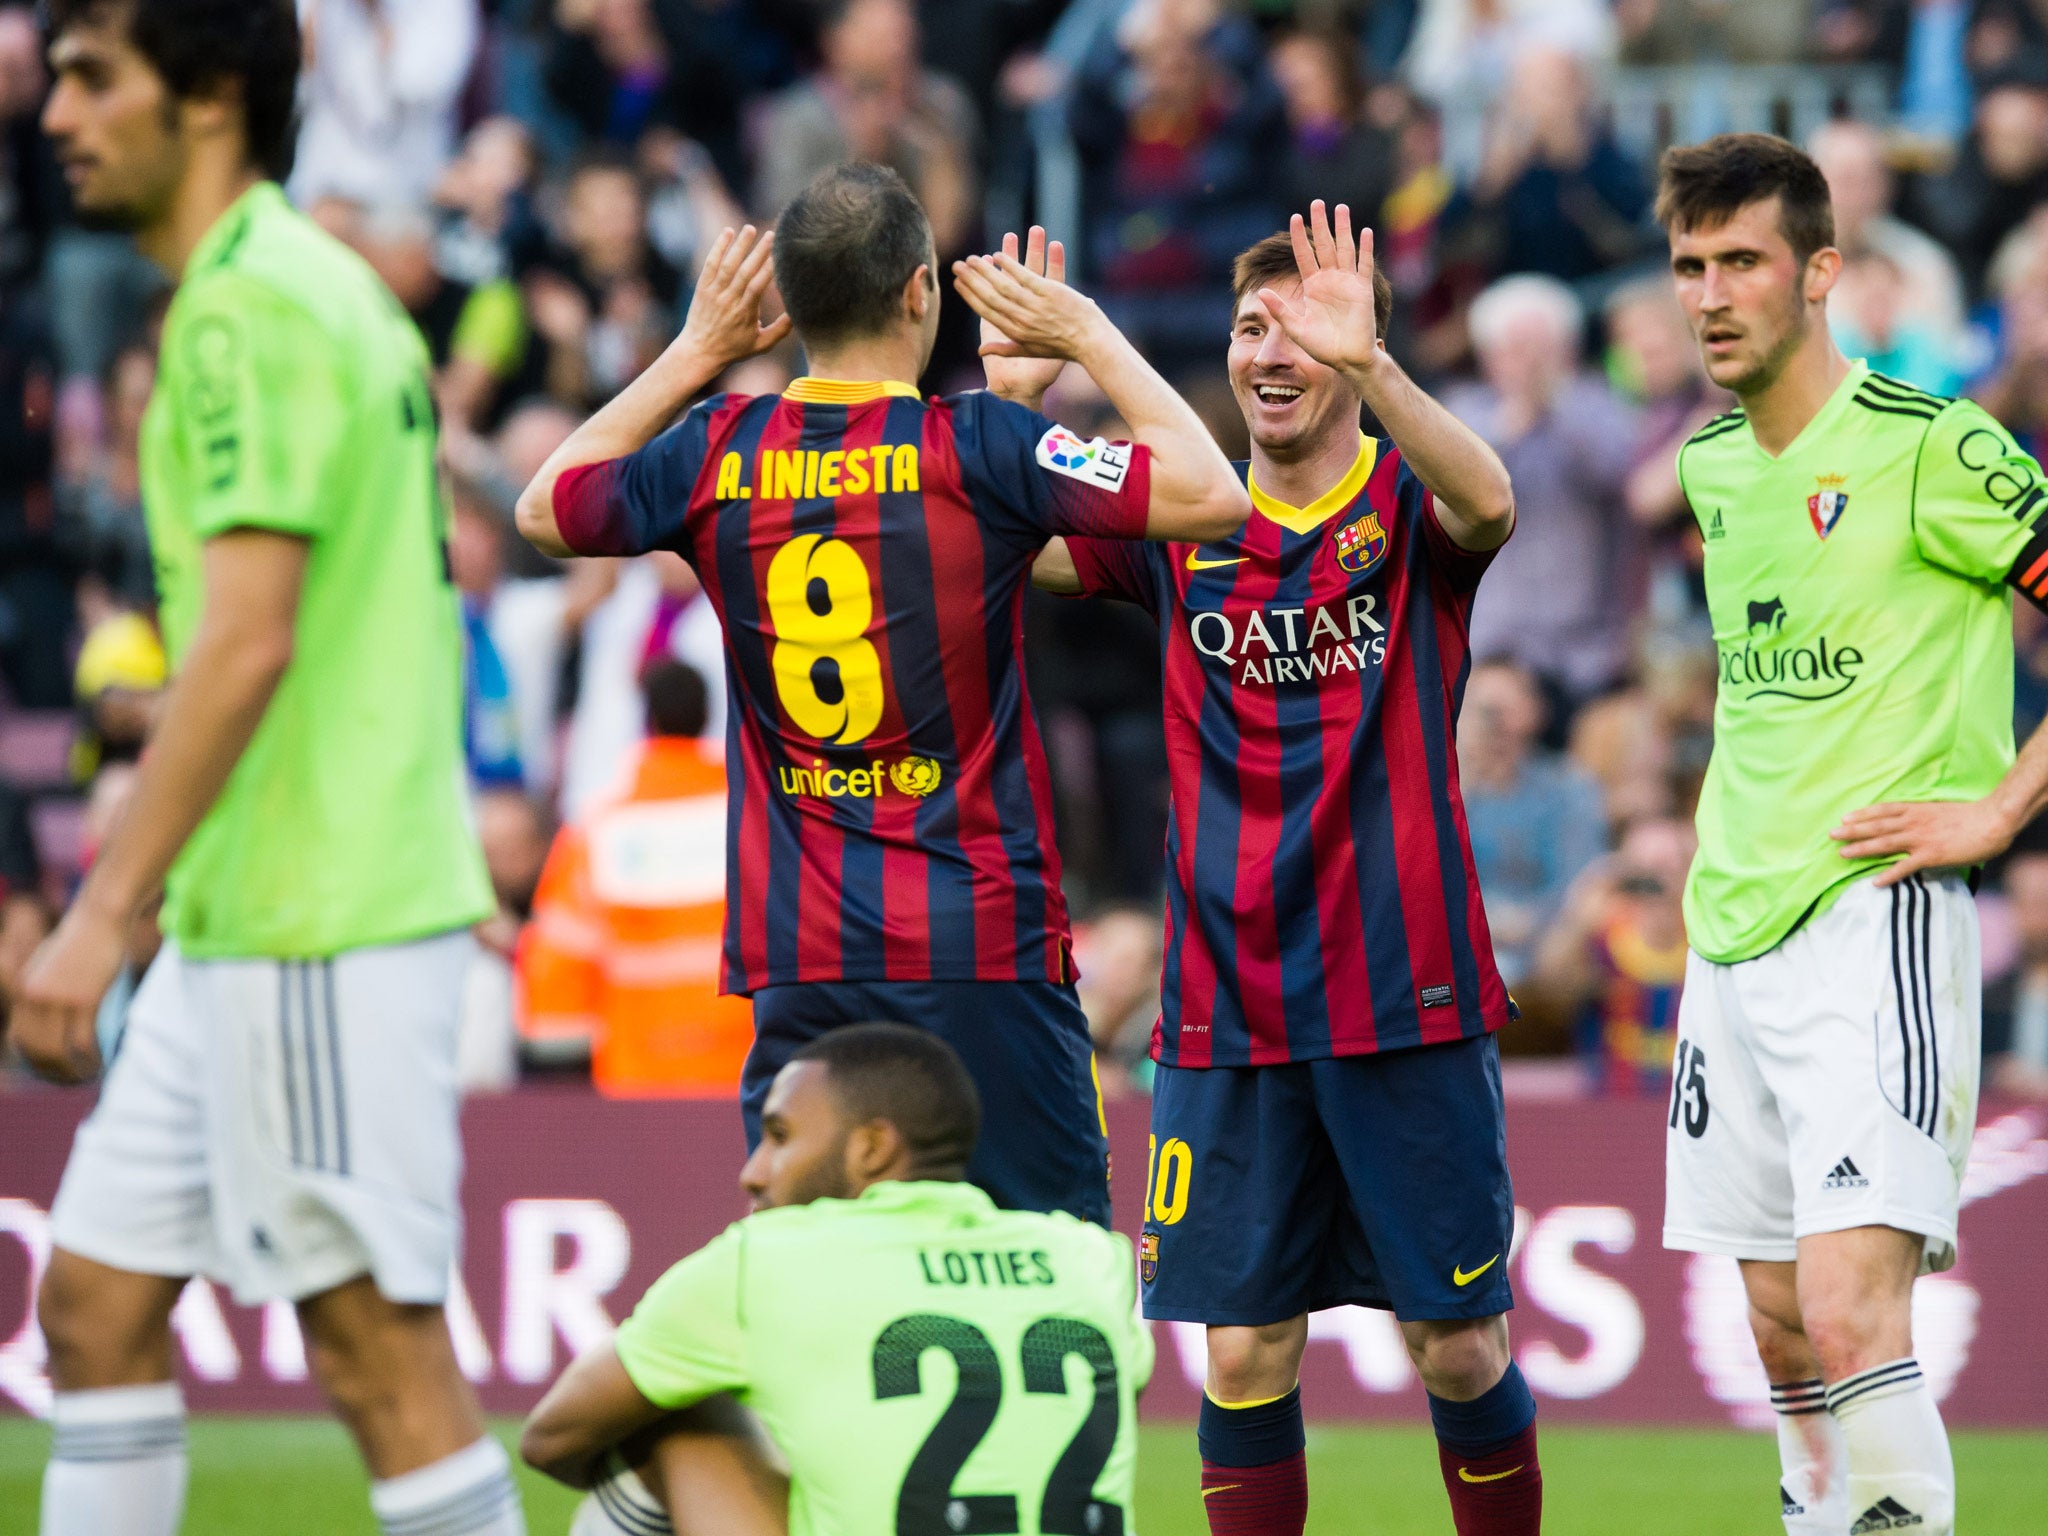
198 45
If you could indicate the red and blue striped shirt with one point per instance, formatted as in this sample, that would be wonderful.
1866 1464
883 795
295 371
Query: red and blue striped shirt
890 813
1321 895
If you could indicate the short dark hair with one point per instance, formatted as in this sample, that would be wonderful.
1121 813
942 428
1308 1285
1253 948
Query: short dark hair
1703 186
677 703
1272 261
197 46
910 1078
844 249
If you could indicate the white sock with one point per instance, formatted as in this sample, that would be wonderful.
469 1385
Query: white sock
1813 1490
468 1494
620 1505
117 1462
1901 1476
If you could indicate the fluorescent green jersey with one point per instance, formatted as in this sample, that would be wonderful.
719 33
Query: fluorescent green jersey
928 1363
292 397
1858 589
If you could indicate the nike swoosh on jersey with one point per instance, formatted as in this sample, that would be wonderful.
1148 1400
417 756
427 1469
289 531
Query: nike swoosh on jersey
1460 1277
1197 563
1465 1474
1226 1487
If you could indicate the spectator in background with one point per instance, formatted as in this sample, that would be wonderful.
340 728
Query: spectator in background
1851 155
1333 152
872 99
603 301
1467 49
475 333
31 187
621 961
514 829
1535 820
2016 1005
102 509
1179 126
35 579
1654 363
25 916
610 70
2000 175
1869 312
1554 192
1554 598
490 717
488 229
1615 959
120 681
378 97
2016 391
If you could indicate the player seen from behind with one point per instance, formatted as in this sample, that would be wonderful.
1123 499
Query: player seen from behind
1860 540
890 826
827 1313
1327 1126
281 1113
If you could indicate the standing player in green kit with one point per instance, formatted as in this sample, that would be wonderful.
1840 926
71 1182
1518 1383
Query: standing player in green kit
1860 539
281 1111
930 1365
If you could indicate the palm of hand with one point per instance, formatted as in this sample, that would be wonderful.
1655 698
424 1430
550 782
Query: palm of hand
1333 319
1016 376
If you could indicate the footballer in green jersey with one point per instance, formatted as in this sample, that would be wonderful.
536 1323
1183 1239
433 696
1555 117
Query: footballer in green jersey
1862 538
923 1362
281 1112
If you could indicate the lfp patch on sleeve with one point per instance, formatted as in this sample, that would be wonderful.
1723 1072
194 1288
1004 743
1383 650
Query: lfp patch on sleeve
1094 462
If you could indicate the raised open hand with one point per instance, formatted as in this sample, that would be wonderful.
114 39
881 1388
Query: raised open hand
1331 317
724 324
1037 315
1011 375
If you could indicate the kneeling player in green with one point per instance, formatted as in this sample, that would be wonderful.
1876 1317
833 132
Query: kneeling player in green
866 1257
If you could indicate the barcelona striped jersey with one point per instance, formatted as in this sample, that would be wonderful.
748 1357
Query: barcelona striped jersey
1321 896
890 811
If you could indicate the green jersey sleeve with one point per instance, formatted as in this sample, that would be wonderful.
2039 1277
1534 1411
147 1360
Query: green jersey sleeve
1977 502
684 1341
261 399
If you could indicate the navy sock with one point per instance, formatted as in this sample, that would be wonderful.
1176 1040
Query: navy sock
1254 1436
1489 1421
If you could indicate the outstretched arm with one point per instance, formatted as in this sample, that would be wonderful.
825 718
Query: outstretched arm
1196 495
1950 834
722 328
1331 319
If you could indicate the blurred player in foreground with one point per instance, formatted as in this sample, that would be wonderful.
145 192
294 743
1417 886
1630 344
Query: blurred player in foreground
1859 538
281 1115
1327 1126
866 1254
890 833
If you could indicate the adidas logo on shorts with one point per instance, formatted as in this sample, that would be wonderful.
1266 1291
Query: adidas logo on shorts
1791 1506
1887 1514
1846 1175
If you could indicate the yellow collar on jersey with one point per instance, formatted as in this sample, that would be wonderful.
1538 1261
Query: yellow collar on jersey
846 391
1339 496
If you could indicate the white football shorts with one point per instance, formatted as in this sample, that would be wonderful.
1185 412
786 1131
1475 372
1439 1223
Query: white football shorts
281 1126
1830 1082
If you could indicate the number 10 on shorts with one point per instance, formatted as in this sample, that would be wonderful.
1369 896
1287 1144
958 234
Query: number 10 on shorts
1167 1176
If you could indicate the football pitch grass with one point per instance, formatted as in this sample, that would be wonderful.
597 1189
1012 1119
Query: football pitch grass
298 1477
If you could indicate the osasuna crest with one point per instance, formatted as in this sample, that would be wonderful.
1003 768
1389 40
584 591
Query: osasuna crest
1826 505
1361 544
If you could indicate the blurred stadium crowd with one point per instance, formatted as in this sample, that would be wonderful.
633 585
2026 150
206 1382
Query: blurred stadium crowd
536 179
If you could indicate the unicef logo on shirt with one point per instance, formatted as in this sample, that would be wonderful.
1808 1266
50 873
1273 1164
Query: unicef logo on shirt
1762 668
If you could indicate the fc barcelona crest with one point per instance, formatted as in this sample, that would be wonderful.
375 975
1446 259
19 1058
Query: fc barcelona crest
1361 544
1148 1256
1826 505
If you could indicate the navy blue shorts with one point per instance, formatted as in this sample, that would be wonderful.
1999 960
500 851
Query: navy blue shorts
1375 1181
1044 1146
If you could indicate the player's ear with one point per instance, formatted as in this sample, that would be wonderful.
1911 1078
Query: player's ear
1822 268
921 291
875 1151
